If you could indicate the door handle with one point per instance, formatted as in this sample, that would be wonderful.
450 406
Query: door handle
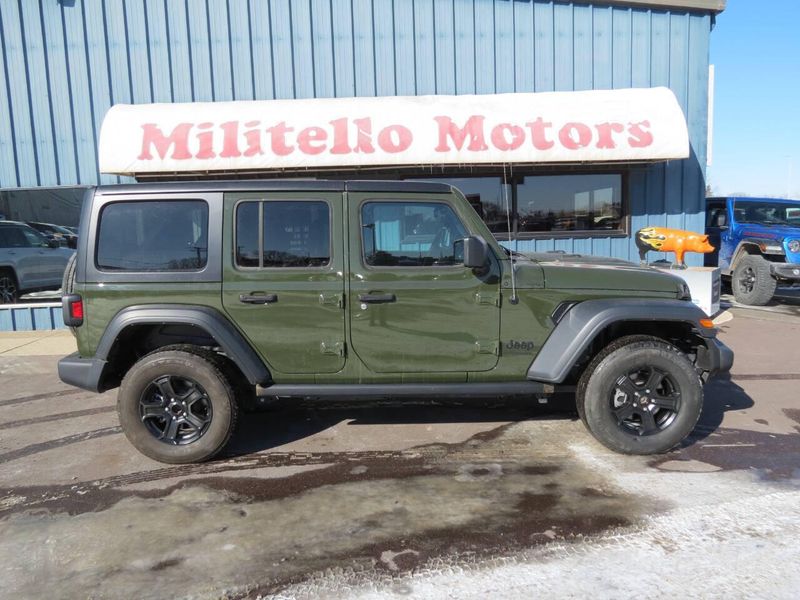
258 298
377 298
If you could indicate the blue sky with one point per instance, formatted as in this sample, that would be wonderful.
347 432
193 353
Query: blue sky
755 48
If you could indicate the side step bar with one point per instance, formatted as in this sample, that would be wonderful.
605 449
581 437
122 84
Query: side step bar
406 390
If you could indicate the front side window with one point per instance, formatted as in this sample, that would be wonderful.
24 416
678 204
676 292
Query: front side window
410 234
35 239
16 236
283 233
147 236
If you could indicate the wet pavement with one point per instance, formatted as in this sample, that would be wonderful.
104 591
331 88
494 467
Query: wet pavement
430 500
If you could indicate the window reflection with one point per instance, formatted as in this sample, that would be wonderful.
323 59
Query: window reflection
570 203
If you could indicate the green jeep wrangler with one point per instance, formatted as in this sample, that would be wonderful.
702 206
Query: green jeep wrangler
197 298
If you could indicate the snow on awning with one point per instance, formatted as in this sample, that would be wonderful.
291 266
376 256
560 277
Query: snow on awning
553 127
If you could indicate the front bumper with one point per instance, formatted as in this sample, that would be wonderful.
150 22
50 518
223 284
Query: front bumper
714 357
85 373
786 271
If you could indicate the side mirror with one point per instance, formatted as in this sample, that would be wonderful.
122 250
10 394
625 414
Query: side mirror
476 251
53 244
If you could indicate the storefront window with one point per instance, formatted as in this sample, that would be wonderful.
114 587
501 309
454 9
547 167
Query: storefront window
59 206
547 204
554 203
485 194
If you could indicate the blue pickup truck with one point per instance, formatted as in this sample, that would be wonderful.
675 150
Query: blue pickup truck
757 243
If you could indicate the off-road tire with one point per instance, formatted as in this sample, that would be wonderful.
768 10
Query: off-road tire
9 284
193 363
68 282
596 386
762 289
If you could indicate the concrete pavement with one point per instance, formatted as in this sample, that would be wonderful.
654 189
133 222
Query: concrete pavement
37 343
426 501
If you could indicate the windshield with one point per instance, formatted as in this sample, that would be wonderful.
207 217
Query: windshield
767 213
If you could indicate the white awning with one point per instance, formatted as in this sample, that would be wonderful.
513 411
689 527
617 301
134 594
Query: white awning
607 126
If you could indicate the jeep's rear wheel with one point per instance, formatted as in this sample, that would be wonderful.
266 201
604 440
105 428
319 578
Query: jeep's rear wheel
177 406
640 395
752 281
9 292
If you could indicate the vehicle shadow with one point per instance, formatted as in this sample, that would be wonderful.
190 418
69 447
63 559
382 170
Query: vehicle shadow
282 422
786 300
721 395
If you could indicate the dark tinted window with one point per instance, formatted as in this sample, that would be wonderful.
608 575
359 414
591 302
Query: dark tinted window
487 197
774 212
247 234
19 236
716 214
570 203
153 236
410 234
539 205
295 234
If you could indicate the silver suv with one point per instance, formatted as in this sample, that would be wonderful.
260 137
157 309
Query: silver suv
29 262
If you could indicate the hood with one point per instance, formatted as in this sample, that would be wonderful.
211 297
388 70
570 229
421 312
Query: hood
578 272
770 232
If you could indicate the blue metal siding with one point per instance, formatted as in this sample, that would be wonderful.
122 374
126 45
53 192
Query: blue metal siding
31 317
64 64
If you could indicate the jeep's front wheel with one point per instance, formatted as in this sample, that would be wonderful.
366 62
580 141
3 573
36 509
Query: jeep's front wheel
640 395
752 282
177 406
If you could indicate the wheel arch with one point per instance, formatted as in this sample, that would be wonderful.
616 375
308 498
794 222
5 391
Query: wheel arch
138 330
753 247
589 326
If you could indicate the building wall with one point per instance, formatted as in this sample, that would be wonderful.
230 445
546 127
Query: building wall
65 62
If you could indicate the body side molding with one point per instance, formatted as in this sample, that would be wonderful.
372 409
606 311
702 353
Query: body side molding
373 391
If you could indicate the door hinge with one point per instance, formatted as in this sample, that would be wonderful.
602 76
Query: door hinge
488 347
334 348
335 299
490 299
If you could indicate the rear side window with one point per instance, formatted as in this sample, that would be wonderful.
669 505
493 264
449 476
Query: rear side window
283 233
164 235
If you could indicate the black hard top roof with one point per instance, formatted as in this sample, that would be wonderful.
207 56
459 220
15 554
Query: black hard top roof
276 185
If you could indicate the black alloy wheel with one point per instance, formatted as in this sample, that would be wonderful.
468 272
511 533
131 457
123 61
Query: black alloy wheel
747 279
178 404
645 401
752 281
175 410
640 395
8 288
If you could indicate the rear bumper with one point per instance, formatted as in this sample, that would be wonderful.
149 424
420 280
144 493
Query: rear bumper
787 271
85 373
714 358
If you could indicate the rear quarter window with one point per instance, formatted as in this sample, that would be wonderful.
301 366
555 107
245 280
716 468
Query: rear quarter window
152 236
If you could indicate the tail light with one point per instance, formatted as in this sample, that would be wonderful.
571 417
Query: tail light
72 309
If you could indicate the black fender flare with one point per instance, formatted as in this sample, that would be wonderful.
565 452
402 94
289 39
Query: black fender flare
579 326
741 251
211 321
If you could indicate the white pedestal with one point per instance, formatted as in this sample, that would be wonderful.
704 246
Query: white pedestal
704 284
